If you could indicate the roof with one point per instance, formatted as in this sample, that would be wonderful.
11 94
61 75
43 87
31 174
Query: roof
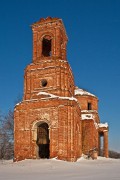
83 92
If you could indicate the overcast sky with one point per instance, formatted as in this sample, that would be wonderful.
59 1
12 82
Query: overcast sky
93 51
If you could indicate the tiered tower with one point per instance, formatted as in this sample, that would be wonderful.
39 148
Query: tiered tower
55 118
50 71
47 121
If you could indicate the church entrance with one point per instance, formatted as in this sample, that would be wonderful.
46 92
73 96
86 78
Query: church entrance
43 140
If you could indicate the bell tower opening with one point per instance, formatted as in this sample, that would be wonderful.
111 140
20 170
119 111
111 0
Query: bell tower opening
46 47
43 140
49 40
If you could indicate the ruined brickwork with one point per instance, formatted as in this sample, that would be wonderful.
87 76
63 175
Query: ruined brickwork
55 118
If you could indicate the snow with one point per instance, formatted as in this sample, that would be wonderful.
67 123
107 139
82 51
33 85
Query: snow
55 96
17 104
88 111
46 169
47 94
100 125
87 116
63 61
28 100
82 92
69 98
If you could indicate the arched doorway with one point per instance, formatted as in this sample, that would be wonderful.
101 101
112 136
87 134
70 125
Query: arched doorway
43 140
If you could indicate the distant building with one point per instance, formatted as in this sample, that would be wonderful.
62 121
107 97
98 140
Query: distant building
55 118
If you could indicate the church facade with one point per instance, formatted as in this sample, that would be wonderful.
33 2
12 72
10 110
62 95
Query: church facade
55 118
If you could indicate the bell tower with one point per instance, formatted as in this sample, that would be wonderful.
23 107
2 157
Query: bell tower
50 71
47 122
49 40
55 119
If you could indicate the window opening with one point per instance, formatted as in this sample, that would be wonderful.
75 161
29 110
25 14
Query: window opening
46 47
44 82
89 106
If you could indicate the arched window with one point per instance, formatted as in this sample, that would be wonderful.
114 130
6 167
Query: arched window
46 46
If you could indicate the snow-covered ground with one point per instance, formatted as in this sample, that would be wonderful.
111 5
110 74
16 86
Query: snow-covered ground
52 169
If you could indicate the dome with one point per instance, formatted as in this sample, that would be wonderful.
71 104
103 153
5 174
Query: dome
82 92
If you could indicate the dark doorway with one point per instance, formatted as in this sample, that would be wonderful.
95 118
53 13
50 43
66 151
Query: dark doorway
43 140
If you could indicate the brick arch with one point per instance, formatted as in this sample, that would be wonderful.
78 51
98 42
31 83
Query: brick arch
35 124
38 122
48 36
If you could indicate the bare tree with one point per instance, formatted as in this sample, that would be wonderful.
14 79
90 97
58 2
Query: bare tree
6 135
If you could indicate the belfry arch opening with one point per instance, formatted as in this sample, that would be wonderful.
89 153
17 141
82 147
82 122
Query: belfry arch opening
46 46
43 140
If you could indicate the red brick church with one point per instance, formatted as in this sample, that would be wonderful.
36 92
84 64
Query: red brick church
55 118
